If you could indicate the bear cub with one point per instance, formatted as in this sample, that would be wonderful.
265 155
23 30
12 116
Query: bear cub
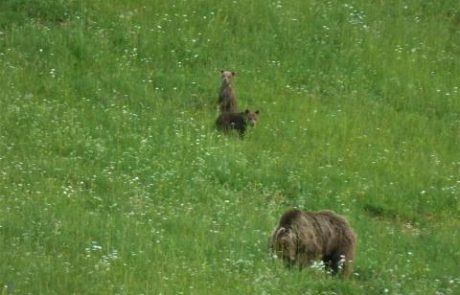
226 99
237 121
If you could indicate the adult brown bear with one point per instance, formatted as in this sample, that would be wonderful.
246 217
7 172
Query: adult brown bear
302 237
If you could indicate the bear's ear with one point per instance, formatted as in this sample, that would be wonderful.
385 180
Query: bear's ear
247 111
257 112
233 74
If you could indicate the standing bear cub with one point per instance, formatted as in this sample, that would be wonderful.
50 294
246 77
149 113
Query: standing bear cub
236 121
226 99
302 237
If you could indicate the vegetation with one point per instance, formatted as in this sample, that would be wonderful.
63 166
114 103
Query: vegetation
113 179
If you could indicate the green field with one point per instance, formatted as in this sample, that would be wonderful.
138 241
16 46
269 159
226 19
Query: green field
113 179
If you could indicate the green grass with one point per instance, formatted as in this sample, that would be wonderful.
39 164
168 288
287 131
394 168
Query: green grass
113 179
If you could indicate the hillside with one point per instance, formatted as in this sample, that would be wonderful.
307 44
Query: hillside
113 179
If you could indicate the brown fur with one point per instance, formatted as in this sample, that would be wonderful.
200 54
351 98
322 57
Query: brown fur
227 99
237 121
302 237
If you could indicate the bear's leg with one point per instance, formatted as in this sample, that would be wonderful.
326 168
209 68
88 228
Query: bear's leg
241 131
331 263
289 263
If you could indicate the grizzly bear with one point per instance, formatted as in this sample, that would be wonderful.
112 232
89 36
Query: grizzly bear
226 99
302 237
236 121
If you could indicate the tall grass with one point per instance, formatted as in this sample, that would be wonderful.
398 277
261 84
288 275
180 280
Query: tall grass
114 181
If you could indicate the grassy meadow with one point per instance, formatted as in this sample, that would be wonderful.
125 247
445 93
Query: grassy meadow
113 179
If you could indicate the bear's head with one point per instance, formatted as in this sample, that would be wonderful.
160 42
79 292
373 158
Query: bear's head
284 244
251 117
227 77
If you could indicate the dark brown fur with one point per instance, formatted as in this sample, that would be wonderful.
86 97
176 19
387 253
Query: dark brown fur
236 121
302 237
227 99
